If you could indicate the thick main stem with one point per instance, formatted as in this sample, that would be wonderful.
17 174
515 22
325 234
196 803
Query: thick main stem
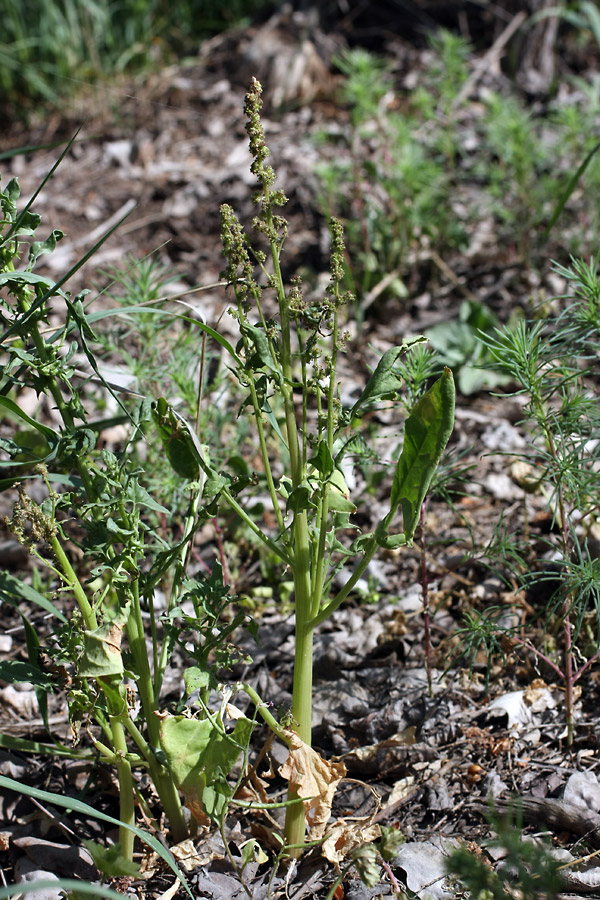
85 608
295 820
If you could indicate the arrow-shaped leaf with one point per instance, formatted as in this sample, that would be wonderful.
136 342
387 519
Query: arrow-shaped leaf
426 434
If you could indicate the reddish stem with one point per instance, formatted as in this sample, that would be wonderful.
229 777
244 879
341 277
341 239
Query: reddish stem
425 591
222 557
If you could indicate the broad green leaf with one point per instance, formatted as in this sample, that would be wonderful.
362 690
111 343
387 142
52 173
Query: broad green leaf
110 860
385 382
253 852
196 747
78 806
188 457
12 590
199 753
215 798
102 652
17 671
338 495
214 484
141 496
178 440
426 433
338 481
322 460
338 503
51 436
262 356
26 278
285 487
389 541
38 248
195 679
300 498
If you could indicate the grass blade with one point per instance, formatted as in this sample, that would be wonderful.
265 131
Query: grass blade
571 185
67 884
12 587
79 806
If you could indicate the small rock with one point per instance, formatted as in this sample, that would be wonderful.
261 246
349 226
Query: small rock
23 701
65 859
583 790
425 868
26 872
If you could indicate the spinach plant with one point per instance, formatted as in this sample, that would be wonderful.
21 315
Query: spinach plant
70 493
286 362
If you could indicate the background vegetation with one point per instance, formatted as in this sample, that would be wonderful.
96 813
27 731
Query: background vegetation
48 51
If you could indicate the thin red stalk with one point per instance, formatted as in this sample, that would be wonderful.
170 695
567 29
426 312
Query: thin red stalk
529 646
425 591
222 555
569 679
392 877
585 666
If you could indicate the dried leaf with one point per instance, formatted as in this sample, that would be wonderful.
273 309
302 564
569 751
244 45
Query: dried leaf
588 880
401 789
403 738
314 778
347 834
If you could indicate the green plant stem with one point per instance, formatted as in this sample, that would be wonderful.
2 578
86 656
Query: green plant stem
169 799
87 612
368 554
296 461
320 568
295 820
331 388
265 455
188 530
266 540
569 680
425 592
25 303
126 794
338 881
141 743
163 782
264 712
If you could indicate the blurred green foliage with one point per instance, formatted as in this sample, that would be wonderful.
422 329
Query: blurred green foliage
48 49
